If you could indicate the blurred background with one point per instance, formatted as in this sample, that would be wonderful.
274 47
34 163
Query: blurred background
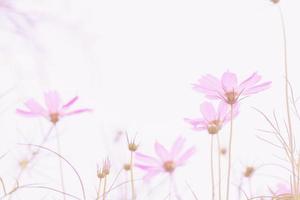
133 62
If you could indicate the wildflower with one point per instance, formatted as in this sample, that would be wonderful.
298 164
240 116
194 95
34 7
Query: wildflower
54 110
249 171
275 1
212 120
227 89
132 146
105 170
167 161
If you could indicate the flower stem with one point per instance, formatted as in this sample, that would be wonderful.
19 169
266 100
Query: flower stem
219 168
212 167
229 153
290 129
99 189
60 166
104 188
132 177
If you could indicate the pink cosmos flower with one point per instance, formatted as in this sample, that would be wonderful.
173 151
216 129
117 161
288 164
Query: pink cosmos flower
167 161
227 89
54 110
212 120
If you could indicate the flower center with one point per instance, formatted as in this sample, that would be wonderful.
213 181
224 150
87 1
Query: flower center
169 166
231 97
23 163
214 127
54 118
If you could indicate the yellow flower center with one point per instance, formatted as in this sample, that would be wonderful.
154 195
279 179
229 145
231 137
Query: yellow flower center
231 97
169 166
214 127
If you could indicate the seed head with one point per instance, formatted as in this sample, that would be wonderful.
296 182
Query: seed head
132 146
127 167
249 171
275 1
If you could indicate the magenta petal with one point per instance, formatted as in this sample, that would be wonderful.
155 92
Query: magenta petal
70 103
229 81
257 88
25 113
249 82
146 159
53 101
198 124
35 107
208 111
177 146
183 158
161 152
76 112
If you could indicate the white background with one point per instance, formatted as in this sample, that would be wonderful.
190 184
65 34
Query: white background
133 62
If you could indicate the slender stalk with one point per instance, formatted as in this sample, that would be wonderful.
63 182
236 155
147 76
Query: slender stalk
132 177
212 167
219 167
60 167
99 189
229 153
104 188
32 157
289 120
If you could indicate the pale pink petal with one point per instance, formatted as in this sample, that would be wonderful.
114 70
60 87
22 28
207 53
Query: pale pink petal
257 88
198 124
184 157
282 189
26 113
70 103
35 107
209 85
235 113
53 101
222 110
146 159
229 81
161 152
75 112
177 146
208 111
249 82
146 167
151 174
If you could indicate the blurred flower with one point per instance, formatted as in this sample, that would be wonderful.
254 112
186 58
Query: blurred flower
227 89
212 120
105 170
54 109
167 161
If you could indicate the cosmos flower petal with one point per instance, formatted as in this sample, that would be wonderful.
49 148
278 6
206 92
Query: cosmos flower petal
209 85
222 110
35 107
184 157
208 111
257 88
229 81
26 113
53 101
74 112
177 146
146 159
70 103
161 152
151 174
249 82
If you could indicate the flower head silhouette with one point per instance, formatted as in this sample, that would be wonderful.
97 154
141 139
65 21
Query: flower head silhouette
167 161
212 120
54 110
227 89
